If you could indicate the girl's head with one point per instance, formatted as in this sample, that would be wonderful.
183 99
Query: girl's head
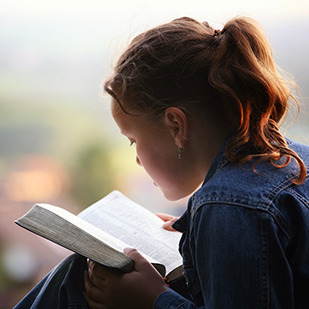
226 81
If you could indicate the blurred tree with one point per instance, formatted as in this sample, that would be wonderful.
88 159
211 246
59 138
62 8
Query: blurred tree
92 174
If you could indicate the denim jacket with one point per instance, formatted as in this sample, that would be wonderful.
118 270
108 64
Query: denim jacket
245 240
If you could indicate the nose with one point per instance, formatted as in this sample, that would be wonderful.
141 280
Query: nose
138 161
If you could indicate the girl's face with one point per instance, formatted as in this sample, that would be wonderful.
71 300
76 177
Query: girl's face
156 152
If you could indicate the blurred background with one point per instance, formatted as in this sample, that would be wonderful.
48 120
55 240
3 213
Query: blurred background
58 143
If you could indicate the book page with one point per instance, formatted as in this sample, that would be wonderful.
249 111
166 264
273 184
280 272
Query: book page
136 226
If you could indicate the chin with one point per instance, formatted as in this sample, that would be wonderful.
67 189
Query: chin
175 196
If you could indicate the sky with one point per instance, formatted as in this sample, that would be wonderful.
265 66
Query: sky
121 13
121 20
69 46
146 9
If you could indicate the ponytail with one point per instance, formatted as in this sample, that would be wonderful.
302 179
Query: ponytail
243 71
228 74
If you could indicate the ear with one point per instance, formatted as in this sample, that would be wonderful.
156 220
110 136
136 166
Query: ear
177 121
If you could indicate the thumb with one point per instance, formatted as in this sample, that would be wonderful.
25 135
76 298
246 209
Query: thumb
133 254
167 225
142 265
139 261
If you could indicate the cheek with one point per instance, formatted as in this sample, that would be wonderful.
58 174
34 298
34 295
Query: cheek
161 166
166 173
156 156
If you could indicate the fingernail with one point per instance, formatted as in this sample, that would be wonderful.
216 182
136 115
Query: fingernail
127 250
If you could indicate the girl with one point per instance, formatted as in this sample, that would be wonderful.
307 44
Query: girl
203 108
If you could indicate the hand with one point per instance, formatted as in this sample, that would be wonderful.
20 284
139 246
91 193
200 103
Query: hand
168 219
112 289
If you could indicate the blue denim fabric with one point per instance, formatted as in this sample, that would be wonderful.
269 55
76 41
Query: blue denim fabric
245 240
62 288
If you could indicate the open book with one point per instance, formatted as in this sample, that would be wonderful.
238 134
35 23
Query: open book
104 229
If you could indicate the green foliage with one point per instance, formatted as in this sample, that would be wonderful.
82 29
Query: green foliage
92 174
5 279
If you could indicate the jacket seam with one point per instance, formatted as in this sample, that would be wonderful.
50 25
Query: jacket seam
300 197
264 263
275 214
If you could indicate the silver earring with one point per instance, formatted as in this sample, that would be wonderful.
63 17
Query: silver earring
180 151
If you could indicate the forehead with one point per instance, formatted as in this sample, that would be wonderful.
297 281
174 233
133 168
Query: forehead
117 109
114 107
118 114
134 123
126 123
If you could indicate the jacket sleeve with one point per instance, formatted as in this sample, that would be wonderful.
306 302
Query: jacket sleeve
172 300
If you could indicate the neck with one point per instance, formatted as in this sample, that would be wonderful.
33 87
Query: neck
204 146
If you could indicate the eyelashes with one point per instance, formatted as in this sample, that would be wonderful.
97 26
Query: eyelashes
132 143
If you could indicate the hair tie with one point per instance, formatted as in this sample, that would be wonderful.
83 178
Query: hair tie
217 33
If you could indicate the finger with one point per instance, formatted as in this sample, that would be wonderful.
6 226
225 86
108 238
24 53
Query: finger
99 271
168 224
92 293
144 270
133 254
97 281
93 304
169 220
165 217
139 261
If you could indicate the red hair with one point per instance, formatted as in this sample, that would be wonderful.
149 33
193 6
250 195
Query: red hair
229 74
